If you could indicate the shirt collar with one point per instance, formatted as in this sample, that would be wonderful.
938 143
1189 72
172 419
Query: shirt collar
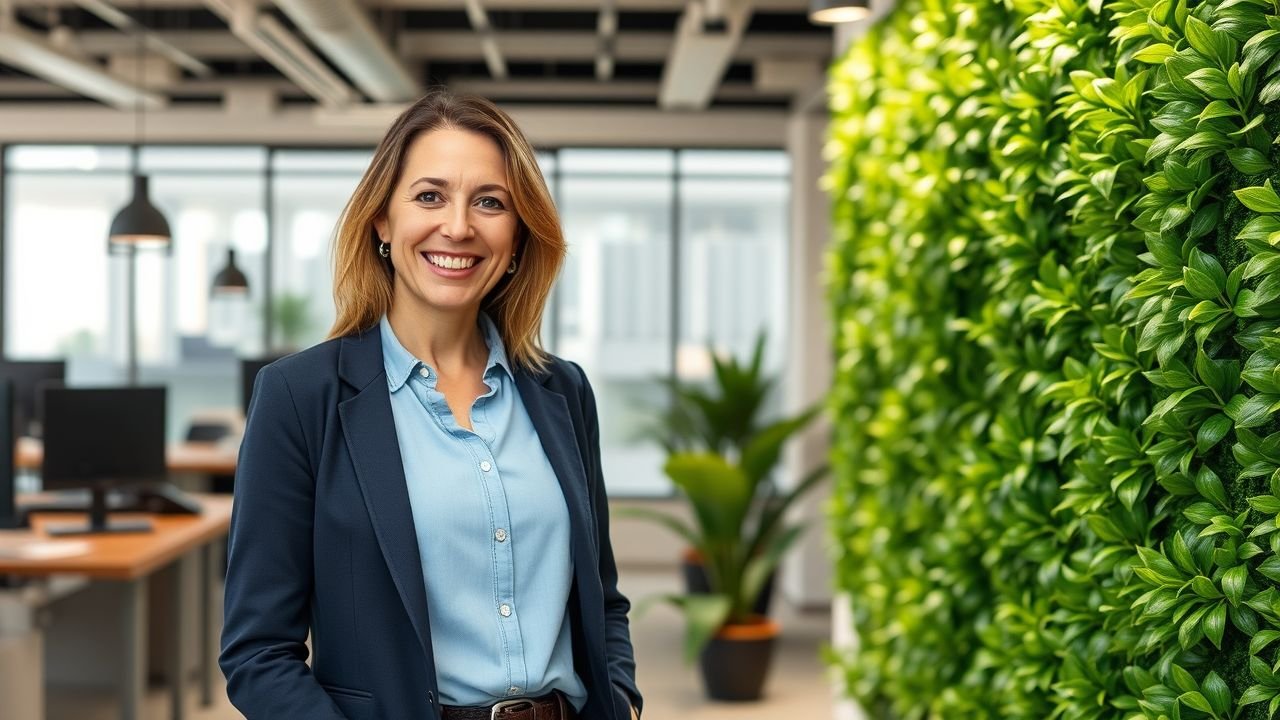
400 363
497 350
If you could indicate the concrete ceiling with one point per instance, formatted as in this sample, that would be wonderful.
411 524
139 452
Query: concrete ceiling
344 55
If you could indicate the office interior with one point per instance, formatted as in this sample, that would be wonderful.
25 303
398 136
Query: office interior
681 139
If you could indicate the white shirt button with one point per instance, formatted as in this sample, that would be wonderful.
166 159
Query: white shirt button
513 690
424 372
504 610
500 535
485 466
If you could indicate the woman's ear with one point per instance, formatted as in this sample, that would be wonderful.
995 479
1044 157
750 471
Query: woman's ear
380 228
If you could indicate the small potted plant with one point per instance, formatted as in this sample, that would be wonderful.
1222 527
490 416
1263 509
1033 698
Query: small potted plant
720 456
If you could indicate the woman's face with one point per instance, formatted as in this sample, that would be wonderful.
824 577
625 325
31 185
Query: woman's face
450 222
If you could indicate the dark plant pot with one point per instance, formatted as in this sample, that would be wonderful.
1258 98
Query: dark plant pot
736 661
695 581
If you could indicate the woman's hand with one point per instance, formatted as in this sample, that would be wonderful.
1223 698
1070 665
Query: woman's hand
634 715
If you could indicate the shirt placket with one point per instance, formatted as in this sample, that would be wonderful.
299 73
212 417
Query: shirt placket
489 475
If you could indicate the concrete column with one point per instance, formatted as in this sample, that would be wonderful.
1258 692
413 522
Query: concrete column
806 573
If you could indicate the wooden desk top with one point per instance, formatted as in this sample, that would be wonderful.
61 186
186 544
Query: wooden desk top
189 457
127 556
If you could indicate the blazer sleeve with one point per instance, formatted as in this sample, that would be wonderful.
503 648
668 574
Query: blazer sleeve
269 565
618 650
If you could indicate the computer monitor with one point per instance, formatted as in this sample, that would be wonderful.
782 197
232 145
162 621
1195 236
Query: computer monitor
249 368
8 490
98 438
30 378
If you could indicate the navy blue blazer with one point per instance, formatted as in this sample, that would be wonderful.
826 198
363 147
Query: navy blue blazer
322 540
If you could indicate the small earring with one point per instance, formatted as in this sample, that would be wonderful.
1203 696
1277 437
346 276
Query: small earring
384 249
511 269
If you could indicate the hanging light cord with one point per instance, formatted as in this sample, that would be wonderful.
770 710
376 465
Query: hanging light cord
139 126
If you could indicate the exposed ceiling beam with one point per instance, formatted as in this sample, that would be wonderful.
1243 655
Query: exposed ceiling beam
493 58
704 46
282 49
494 5
342 31
33 54
591 90
517 45
607 29
123 22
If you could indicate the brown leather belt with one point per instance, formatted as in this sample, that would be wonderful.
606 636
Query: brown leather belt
552 706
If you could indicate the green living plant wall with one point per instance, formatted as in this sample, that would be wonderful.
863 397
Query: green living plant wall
1056 290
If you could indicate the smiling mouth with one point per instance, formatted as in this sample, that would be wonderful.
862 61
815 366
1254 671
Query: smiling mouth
450 262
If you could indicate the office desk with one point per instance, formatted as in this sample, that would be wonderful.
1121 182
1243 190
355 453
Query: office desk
187 457
130 559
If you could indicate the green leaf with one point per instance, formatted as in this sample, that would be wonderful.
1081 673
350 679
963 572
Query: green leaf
1257 694
1212 431
1249 412
1200 285
1268 504
1270 568
1211 82
1260 199
704 615
1196 701
672 523
1205 588
1262 639
1233 581
1210 486
1248 161
1155 53
1262 265
1217 693
720 493
1201 513
1183 679
1215 623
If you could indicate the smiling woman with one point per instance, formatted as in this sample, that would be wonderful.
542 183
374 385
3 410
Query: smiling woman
422 493
449 233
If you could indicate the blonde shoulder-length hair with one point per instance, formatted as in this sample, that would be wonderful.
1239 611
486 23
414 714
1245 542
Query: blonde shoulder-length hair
363 279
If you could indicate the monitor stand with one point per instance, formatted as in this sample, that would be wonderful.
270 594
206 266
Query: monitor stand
98 522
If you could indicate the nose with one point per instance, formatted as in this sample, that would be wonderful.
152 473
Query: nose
457 225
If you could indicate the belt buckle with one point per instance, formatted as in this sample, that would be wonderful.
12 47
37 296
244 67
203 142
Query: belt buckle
504 704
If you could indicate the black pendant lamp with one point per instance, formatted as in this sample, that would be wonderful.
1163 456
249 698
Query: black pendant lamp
230 280
834 12
139 225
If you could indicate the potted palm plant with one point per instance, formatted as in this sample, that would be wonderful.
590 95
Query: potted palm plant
720 456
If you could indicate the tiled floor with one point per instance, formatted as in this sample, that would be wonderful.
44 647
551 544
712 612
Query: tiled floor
797 686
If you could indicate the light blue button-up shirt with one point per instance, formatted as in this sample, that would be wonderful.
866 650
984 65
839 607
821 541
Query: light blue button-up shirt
493 533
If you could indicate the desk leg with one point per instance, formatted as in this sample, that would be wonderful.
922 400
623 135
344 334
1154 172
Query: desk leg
177 638
208 638
133 624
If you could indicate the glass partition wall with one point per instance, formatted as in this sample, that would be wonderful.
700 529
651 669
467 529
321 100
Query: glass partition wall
670 252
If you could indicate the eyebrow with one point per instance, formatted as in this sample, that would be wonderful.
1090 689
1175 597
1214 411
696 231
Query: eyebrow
441 182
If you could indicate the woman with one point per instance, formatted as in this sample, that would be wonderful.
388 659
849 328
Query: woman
422 492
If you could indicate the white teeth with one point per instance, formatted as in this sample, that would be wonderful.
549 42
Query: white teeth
449 262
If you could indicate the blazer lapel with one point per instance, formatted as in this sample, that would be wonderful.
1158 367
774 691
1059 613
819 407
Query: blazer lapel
551 419
369 429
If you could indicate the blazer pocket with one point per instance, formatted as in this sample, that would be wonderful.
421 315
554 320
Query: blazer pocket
355 704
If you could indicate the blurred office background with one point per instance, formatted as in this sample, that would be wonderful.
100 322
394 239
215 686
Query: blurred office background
681 139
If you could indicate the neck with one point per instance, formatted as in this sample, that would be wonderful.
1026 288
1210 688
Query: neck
450 342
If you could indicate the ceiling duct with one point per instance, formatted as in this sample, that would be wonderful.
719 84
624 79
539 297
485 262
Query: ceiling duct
275 44
342 30
704 47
